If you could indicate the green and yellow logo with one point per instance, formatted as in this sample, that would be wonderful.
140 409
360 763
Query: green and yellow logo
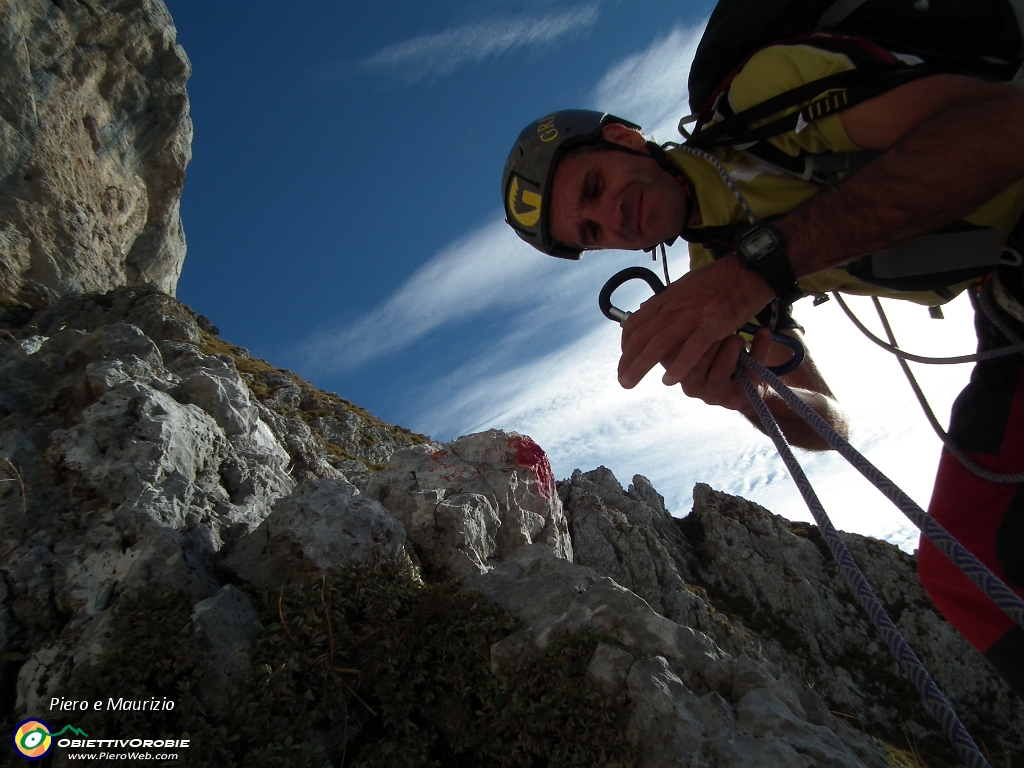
532 200
33 740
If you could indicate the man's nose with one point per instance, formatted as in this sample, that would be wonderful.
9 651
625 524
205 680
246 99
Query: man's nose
606 211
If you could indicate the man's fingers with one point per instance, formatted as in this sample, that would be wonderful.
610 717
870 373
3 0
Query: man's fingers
724 367
690 353
640 355
761 344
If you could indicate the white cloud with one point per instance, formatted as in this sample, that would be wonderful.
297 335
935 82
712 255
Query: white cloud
488 269
649 88
433 56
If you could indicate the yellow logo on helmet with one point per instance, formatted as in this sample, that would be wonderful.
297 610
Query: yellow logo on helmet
526 218
546 130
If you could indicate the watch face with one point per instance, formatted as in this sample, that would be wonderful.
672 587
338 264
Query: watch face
759 244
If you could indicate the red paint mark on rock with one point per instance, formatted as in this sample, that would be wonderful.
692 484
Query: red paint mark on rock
532 456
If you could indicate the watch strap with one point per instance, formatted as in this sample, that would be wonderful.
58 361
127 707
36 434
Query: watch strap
774 267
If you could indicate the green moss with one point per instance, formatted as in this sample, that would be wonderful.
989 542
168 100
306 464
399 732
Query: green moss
369 667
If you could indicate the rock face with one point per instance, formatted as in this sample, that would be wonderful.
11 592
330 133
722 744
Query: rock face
475 501
767 590
132 451
138 450
323 524
94 139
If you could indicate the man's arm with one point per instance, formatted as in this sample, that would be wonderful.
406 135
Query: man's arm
712 380
950 144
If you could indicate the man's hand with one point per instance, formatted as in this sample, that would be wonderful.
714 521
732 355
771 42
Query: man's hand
712 380
713 377
678 326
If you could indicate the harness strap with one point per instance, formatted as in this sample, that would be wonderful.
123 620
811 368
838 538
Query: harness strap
852 87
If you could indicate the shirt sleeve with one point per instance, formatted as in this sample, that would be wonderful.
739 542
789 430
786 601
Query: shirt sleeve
781 68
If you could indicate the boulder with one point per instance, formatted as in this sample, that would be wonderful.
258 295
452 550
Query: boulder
322 525
94 139
473 502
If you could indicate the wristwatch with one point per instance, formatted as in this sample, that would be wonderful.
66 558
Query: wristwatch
762 250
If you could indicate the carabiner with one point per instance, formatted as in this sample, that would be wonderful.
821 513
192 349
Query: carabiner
620 316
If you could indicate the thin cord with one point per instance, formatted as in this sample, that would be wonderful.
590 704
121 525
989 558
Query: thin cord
952 447
721 172
1015 348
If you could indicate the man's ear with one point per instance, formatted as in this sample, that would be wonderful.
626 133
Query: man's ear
624 136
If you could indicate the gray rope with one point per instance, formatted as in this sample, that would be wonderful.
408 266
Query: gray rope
952 447
1015 348
974 569
934 701
996 317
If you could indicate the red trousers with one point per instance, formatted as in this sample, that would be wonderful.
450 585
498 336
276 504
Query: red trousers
987 518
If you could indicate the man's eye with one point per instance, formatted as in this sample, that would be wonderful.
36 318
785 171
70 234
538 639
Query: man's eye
595 189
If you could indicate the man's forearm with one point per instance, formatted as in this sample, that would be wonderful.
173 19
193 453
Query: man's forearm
941 170
798 433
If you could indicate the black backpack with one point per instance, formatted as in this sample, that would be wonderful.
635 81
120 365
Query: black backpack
975 37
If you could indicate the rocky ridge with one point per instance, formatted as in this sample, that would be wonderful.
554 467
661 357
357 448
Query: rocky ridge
138 454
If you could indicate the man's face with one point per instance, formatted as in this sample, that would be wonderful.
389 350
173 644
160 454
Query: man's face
613 199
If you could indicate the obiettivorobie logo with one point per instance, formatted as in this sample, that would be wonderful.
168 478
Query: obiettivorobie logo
33 740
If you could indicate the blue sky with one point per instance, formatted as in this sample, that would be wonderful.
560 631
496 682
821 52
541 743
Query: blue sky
343 220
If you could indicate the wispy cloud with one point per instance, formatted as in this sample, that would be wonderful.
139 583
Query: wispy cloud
489 269
650 87
432 56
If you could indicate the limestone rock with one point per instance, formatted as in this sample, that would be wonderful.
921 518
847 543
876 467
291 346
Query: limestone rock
94 139
322 525
766 590
685 700
135 454
224 626
473 502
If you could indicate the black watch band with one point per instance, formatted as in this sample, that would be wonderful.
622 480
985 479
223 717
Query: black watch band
762 249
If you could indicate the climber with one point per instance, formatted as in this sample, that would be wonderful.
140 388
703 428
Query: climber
950 159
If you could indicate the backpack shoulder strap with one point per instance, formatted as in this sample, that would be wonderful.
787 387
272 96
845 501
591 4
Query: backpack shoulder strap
876 71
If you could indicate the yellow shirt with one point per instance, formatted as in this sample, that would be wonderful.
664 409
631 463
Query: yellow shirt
771 192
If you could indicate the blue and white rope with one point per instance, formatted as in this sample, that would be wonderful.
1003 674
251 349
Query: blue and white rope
974 569
934 701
